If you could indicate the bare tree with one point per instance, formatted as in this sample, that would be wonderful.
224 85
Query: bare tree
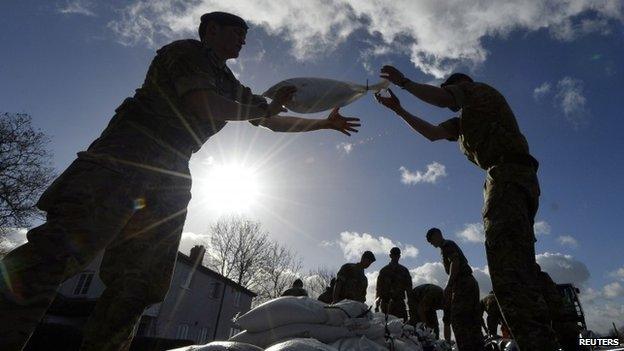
278 272
25 170
237 248
318 279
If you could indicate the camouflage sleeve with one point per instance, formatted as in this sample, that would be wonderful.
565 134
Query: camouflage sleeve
452 127
188 71
459 93
450 251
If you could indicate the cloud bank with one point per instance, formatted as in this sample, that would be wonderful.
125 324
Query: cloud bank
436 35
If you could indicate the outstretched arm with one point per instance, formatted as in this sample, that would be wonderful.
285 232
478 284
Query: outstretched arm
209 104
428 93
426 129
335 121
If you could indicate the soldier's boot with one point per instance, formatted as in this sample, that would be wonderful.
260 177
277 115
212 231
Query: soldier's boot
112 322
27 287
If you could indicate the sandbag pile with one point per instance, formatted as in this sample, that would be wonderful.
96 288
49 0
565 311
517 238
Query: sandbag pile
301 323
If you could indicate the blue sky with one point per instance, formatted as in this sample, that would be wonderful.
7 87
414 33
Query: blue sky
70 63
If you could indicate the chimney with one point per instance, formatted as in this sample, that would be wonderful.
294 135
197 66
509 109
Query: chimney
197 254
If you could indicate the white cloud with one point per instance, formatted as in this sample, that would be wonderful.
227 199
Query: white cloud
571 100
78 7
600 315
541 91
427 31
429 273
345 147
434 172
563 268
541 227
353 244
567 240
618 274
613 290
472 232
11 238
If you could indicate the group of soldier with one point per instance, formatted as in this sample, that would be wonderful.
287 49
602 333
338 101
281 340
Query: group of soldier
459 301
127 195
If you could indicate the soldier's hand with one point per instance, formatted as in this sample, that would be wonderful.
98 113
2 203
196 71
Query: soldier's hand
392 74
392 102
282 96
345 125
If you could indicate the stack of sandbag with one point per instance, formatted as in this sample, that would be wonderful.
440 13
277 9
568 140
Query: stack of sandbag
291 317
301 323
220 346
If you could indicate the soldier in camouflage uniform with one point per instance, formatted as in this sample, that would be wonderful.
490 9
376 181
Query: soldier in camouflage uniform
461 294
489 136
296 289
565 326
328 294
351 282
424 300
494 318
393 282
128 193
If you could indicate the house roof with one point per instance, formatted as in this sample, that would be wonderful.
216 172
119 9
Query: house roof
201 268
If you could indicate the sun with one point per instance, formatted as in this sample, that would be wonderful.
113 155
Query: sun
230 188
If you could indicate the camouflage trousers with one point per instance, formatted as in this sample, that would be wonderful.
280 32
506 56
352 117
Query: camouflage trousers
136 218
466 314
394 307
511 201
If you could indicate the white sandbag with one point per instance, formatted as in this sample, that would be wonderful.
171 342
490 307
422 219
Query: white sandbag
395 326
320 94
220 346
357 344
321 332
283 311
401 345
301 344
375 331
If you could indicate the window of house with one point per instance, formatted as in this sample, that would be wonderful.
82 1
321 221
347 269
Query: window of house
216 289
182 331
237 298
203 336
84 281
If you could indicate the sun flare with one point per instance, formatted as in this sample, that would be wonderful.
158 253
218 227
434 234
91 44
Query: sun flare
230 188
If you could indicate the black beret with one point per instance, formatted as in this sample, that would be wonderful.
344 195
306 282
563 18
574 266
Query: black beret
222 18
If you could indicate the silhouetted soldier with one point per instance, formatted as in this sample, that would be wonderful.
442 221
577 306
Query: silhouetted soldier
128 193
565 326
461 294
494 317
328 294
351 282
393 282
489 136
296 289
424 302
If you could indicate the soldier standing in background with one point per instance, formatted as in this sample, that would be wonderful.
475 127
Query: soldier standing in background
564 325
351 282
296 289
393 282
461 294
128 193
489 136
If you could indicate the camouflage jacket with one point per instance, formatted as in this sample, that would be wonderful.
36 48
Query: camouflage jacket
153 130
393 282
353 282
